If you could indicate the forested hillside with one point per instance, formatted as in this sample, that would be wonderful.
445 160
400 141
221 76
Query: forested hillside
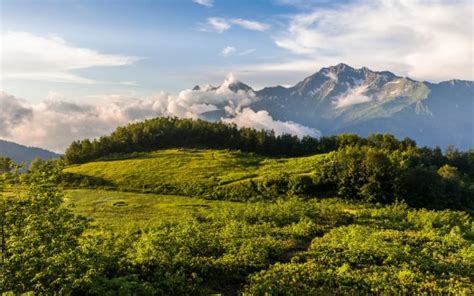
378 168
166 132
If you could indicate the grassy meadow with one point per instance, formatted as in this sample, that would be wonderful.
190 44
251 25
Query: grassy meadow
122 211
191 172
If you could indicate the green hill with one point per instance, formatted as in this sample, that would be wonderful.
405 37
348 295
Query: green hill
209 173
155 231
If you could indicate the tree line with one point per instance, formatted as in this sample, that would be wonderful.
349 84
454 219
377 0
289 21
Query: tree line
172 132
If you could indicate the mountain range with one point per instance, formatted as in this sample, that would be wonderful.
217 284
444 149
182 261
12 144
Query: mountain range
19 153
342 99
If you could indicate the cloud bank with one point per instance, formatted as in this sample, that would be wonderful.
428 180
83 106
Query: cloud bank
56 122
263 120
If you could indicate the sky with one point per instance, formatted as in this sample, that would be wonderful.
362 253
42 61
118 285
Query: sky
71 69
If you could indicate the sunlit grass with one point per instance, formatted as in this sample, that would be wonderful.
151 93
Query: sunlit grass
201 168
122 210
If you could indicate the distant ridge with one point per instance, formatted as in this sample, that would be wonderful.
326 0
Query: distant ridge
19 153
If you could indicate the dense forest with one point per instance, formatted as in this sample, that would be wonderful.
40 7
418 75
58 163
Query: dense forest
172 207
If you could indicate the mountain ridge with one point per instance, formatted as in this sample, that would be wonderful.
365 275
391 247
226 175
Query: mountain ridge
340 98
20 153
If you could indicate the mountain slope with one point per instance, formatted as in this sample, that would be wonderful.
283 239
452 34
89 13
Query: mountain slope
343 99
19 153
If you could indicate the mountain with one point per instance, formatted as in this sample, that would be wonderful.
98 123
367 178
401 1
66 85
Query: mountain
19 153
341 99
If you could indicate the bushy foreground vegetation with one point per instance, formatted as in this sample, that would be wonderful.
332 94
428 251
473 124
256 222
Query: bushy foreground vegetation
288 246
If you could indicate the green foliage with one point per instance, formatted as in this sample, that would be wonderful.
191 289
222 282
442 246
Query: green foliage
364 173
165 132
6 165
376 169
216 174
418 252
200 252
39 238
382 175
270 232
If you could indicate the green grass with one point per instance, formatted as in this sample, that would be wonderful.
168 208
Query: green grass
123 210
190 169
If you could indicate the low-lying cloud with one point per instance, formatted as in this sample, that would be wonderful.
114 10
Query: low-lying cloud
56 122
263 120
351 97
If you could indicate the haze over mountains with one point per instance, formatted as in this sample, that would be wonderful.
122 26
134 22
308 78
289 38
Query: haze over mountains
341 99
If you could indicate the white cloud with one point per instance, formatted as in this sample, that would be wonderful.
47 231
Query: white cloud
250 25
262 120
414 38
304 4
332 76
27 56
353 96
228 50
13 112
56 122
219 25
207 3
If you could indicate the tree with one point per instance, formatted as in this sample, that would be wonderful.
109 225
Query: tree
40 246
6 165
365 173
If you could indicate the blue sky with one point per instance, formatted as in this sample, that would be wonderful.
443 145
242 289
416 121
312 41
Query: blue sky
167 37
78 68
173 45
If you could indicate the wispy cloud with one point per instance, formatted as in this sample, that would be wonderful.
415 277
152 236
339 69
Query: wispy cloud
27 56
219 25
216 24
250 25
246 52
228 50
353 96
207 3
232 51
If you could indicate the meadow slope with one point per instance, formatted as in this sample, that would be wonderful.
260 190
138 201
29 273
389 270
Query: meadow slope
207 173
